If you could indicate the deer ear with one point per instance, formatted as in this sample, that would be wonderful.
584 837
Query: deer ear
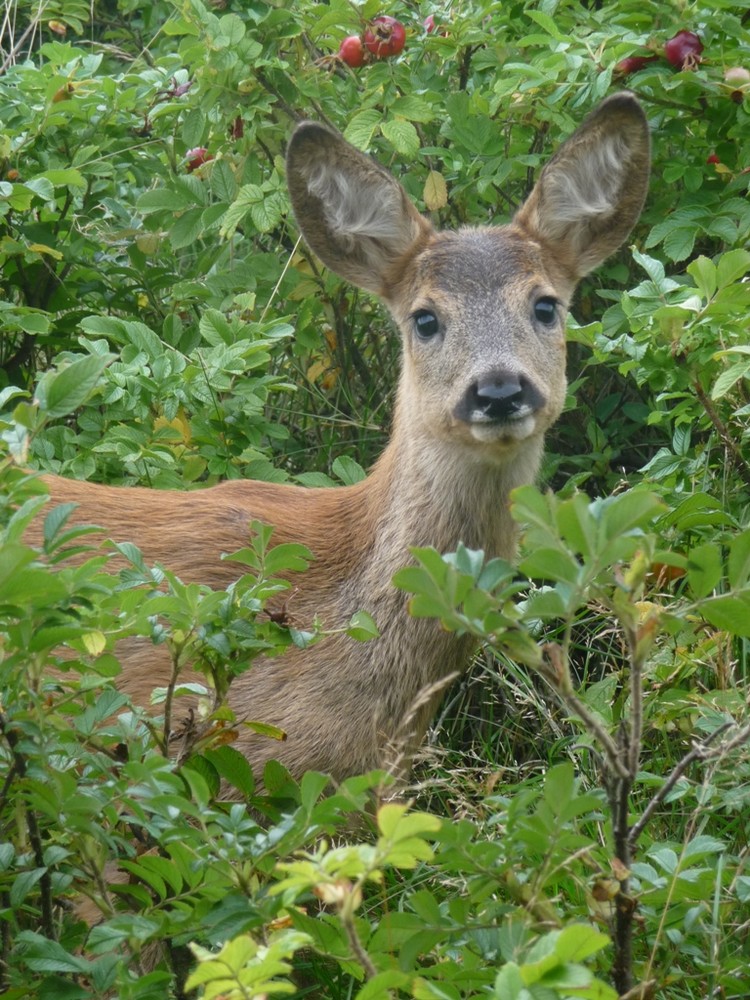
353 214
591 192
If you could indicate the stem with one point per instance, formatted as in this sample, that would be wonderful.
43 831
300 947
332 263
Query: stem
35 839
622 967
347 920
636 703
721 429
699 752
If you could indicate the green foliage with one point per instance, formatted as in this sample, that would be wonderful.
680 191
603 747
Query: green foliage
161 325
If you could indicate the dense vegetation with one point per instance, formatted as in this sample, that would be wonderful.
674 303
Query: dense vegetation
580 818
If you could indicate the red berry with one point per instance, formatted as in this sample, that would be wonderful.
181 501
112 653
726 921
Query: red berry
429 23
196 157
712 158
631 64
684 50
352 52
385 37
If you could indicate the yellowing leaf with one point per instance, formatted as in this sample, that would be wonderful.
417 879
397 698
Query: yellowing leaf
315 370
94 643
435 191
43 248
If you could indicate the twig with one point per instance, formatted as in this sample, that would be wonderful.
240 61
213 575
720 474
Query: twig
558 676
35 839
636 703
721 429
347 919
698 752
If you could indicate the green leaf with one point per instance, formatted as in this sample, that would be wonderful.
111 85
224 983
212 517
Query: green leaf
679 243
413 108
231 29
731 614
223 183
739 561
729 378
42 954
552 565
360 129
577 942
233 767
62 392
732 266
509 984
635 508
362 627
704 569
22 885
703 273
347 470
69 177
381 985
164 199
558 786
402 136
215 329
547 23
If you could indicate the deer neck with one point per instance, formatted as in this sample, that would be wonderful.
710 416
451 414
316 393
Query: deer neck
425 491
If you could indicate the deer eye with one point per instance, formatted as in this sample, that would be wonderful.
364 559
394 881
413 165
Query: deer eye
426 324
545 310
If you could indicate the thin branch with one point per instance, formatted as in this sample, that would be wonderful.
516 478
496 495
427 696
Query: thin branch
555 672
347 919
721 429
699 752
636 703
35 839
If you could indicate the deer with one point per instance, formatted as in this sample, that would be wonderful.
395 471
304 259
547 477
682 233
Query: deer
481 313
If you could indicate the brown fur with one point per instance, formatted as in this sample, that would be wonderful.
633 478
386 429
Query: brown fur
347 706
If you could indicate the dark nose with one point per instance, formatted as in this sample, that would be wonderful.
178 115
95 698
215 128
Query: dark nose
500 396
499 400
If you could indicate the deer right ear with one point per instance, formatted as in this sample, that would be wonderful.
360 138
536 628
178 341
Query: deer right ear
353 214
591 192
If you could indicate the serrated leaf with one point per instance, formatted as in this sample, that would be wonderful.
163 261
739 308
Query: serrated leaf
165 199
729 378
413 108
233 767
703 272
347 470
69 177
267 214
679 243
360 130
402 136
732 266
215 328
187 228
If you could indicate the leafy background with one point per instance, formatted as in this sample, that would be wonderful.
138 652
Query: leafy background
162 325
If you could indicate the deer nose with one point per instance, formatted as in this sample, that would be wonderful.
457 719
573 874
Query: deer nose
499 400
500 397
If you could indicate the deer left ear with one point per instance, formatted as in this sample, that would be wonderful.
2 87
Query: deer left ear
353 214
590 194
